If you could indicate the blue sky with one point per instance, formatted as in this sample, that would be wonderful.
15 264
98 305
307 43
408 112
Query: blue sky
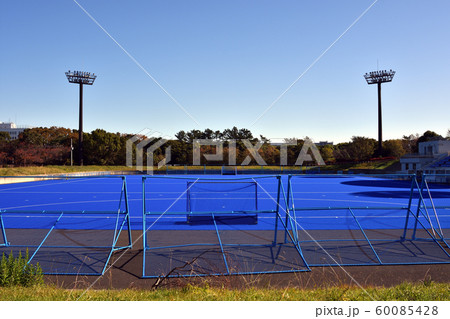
225 62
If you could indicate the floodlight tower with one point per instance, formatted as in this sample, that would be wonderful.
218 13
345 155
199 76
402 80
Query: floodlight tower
80 78
378 77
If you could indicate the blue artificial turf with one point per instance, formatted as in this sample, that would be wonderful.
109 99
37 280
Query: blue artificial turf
23 203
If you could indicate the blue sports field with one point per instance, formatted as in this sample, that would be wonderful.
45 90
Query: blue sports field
214 224
168 196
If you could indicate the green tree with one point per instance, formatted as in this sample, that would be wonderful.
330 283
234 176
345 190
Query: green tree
237 134
409 143
102 148
361 148
208 134
327 153
341 153
182 136
293 151
429 136
47 136
4 137
270 154
393 148
217 135
194 135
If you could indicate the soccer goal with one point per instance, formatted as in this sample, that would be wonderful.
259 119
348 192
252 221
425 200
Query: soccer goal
69 225
434 206
229 170
216 226
365 220
232 202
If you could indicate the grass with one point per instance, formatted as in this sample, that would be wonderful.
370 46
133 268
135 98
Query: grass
376 165
53 169
407 292
40 170
16 271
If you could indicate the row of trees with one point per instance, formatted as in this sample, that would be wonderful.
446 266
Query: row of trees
52 146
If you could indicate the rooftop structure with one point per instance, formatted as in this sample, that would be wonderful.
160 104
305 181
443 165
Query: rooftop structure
12 129
433 158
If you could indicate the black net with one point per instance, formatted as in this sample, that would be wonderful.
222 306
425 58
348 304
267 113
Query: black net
345 244
216 227
68 226
369 220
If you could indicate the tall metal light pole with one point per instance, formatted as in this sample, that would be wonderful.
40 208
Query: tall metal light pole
71 153
81 78
378 77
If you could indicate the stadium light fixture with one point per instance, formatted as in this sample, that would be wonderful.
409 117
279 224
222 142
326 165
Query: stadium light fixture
80 77
378 77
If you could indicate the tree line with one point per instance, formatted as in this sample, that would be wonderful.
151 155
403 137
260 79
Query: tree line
52 146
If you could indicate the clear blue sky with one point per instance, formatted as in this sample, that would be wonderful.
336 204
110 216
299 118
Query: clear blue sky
225 62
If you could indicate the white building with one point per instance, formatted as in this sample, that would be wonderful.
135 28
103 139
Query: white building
432 156
324 143
12 129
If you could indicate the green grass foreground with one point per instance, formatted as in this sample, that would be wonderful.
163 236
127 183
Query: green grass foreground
428 291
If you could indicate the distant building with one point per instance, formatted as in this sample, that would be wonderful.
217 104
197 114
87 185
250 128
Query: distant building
12 129
324 143
433 158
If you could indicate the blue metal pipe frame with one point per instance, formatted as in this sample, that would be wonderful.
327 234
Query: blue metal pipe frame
422 204
117 231
276 213
290 220
2 225
414 183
